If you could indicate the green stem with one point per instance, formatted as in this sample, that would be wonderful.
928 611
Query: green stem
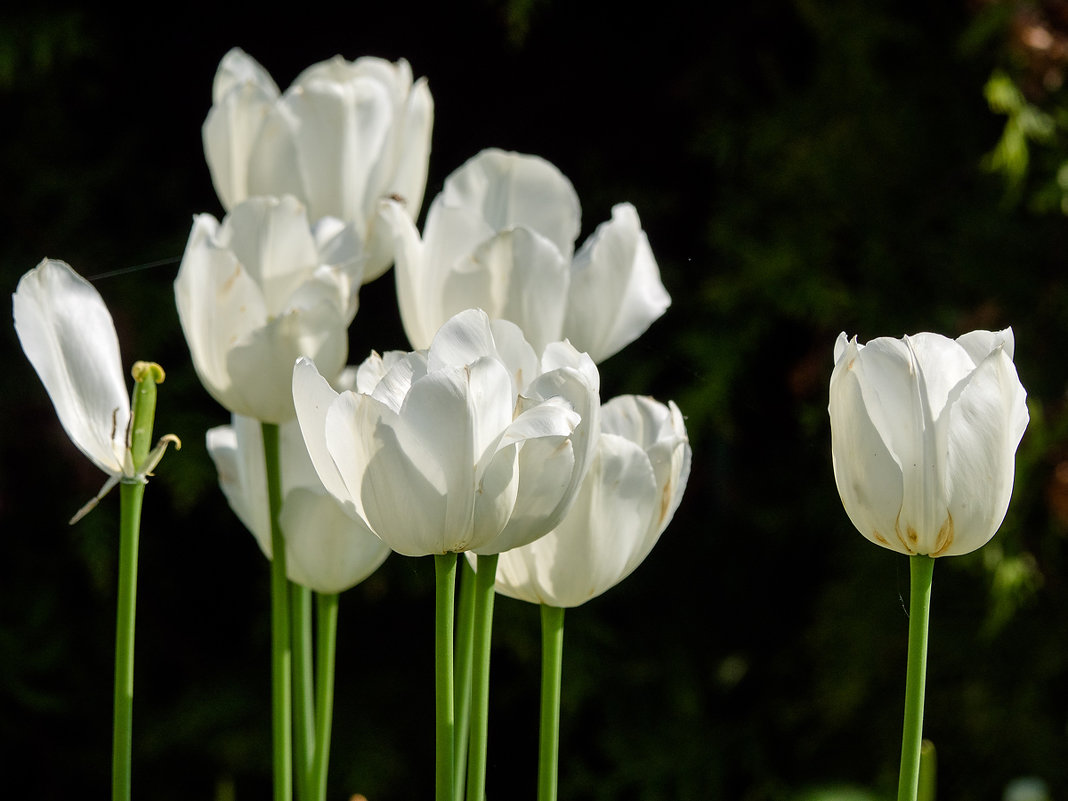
445 590
552 652
486 574
326 644
465 644
303 691
281 654
922 571
131 494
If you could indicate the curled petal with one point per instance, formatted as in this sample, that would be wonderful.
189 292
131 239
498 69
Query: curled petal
616 292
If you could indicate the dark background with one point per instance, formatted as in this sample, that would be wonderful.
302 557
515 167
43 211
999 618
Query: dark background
801 168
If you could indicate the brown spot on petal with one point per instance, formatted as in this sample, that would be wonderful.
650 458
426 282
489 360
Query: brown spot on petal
879 538
904 542
945 537
228 284
912 535
665 503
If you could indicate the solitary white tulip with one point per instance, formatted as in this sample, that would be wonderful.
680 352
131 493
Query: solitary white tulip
258 291
501 236
475 444
326 549
343 137
67 333
924 433
628 498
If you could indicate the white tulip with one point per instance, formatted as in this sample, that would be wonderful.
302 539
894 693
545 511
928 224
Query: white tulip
501 236
67 333
475 444
924 433
326 549
258 291
628 498
343 137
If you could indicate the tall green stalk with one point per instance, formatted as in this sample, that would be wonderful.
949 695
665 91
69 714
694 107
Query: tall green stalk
326 653
131 495
300 620
445 716
281 648
465 643
921 569
552 653
485 578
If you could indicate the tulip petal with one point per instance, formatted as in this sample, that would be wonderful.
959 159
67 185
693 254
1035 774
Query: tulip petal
67 333
397 485
326 549
980 344
866 471
511 190
312 398
616 292
517 275
982 429
600 542
319 142
237 451
242 95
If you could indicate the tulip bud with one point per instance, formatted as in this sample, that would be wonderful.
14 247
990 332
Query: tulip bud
924 432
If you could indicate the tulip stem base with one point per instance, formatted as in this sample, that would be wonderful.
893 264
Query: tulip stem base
445 721
281 646
465 642
921 569
552 653
485 579
326 653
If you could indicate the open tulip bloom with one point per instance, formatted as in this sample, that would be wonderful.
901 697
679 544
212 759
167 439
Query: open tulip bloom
924 432
501 237
626 501
343 136
472 445
69 337
475 444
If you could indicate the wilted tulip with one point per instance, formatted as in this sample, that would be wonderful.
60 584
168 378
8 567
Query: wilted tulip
501 236
471 445
344 136
924 433
258 291
326 549
69 337
626 501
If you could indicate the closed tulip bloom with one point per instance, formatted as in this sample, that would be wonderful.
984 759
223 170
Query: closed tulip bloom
501 236
326 549
344 136
258 291
475 444
924 433
626 501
